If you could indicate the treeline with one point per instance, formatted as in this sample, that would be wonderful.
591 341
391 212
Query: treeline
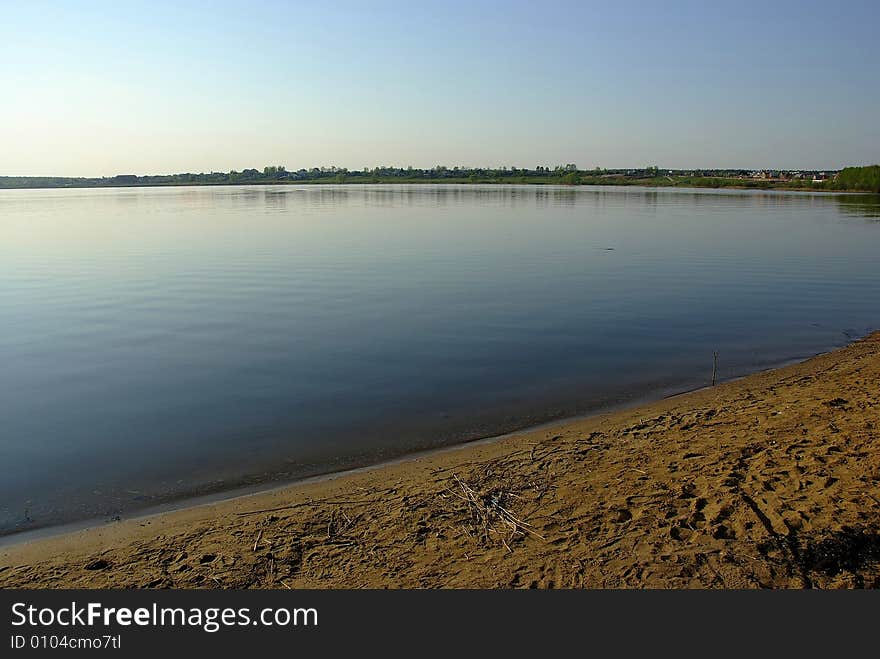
280 174
852 178
567 174
859 178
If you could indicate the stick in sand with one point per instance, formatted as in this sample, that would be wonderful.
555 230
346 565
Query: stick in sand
257 541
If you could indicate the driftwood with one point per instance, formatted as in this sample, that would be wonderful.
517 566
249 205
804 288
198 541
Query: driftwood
487 511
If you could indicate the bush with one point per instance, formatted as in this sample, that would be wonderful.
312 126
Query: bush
859 178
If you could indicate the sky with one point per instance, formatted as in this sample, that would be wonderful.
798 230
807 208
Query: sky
93 88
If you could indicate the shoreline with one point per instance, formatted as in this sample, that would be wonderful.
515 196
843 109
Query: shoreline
501 511
243 489
758 187
197 498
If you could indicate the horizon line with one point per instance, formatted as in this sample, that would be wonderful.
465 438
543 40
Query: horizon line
439 167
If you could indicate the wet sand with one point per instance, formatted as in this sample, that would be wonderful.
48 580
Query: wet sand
771 481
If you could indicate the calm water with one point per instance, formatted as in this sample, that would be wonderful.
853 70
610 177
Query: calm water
161 342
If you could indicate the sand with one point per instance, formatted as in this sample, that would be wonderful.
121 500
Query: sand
771 481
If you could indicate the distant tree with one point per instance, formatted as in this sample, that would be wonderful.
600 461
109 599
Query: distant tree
858 178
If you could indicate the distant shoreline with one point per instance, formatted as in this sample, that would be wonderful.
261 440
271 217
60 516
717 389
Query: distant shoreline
644 183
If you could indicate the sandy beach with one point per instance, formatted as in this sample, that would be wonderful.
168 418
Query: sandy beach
771 481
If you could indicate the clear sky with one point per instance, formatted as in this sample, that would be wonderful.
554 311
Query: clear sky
101 88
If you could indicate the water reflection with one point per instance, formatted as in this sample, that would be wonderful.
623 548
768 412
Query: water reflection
171 340
866 206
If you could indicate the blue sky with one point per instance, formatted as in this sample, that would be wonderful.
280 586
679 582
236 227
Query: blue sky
99 88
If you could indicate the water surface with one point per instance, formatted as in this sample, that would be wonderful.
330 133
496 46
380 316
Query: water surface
161 342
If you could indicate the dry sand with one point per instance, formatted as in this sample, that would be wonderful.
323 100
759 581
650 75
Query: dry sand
769 481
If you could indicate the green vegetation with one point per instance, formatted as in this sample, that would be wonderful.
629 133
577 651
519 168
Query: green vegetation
865 179
859 178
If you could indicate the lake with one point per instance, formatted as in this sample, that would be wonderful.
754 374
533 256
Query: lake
160 343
